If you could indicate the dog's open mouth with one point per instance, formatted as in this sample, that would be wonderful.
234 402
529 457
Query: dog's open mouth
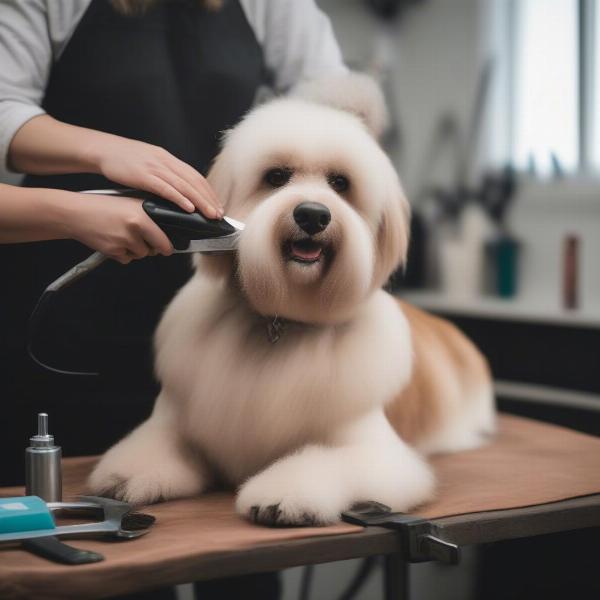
306 250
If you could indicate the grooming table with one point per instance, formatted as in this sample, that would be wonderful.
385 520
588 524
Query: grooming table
533 479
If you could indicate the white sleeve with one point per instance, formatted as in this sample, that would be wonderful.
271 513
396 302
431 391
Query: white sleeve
32 33
297 39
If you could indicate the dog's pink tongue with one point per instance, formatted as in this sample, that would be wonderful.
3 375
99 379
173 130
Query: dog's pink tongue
306 253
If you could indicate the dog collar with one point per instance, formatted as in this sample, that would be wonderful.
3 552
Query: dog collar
276 327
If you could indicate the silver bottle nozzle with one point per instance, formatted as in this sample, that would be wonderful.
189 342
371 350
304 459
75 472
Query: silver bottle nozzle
43 424
43 471
43 439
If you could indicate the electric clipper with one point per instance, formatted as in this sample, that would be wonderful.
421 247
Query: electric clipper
188 232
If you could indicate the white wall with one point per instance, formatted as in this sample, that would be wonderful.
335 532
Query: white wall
436 49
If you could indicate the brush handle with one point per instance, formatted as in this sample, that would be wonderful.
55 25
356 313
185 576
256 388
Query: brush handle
53 549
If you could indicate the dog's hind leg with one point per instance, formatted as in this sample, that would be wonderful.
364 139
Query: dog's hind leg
471 427
365 461
150 464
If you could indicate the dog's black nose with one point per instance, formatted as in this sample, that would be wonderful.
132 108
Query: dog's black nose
312 217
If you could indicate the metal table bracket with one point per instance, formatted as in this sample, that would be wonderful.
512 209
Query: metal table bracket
420 541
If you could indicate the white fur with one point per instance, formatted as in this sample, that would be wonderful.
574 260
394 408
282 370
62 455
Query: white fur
464 429
298 425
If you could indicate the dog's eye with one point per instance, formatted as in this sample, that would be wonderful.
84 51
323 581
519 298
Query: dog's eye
278 177
338 182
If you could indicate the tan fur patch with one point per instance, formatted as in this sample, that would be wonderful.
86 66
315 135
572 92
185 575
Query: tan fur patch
448 370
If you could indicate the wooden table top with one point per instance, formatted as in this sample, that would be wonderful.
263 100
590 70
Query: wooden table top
534 478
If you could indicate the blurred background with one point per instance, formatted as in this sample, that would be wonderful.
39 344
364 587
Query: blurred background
495 131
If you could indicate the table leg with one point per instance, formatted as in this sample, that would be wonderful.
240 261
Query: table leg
396 577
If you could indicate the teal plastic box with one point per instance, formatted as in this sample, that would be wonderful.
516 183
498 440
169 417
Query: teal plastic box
24 513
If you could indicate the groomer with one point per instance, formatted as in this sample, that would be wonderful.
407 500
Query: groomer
121 93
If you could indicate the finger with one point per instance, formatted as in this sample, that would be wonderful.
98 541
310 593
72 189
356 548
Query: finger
156 239
165 190
197 181
201 202
137 248
190 174
123 258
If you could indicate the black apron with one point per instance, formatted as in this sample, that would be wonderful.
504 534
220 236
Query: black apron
176 77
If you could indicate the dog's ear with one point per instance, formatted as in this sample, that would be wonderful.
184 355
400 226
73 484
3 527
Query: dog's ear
393 233
353 92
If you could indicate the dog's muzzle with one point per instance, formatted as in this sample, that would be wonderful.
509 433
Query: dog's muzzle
312 218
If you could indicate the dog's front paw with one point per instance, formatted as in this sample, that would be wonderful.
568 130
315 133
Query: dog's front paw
135 489
269 500
144 479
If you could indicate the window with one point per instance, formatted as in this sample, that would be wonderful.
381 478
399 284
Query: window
545 84
554 81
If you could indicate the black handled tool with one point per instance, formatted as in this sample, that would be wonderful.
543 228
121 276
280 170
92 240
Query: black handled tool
188 232
191 232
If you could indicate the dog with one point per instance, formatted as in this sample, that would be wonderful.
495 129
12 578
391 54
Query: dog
286 371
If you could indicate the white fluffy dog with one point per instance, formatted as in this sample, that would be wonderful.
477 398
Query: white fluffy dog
286 371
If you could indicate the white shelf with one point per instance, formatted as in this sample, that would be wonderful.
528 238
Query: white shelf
507 310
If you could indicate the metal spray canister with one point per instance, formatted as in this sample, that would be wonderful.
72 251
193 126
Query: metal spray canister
43 470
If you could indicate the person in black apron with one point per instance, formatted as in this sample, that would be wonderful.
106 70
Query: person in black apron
175 76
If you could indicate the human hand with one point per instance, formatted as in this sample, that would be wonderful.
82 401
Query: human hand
143 166
116 226
45 146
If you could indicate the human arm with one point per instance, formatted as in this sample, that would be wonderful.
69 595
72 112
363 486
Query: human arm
44 146
33 33
115 226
